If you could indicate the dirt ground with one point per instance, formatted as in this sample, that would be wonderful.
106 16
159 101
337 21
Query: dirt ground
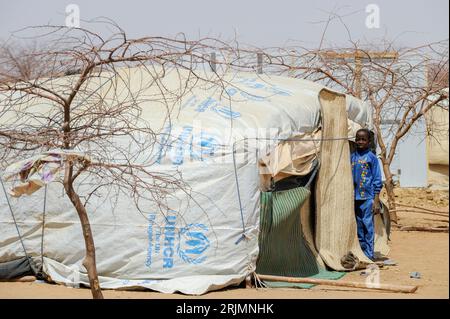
436 200
414 251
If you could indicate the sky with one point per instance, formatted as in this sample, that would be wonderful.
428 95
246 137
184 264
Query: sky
259 23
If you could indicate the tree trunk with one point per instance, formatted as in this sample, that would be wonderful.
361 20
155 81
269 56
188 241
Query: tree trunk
390 192
89 260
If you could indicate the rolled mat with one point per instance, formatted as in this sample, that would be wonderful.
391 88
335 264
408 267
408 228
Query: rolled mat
284 250
335 216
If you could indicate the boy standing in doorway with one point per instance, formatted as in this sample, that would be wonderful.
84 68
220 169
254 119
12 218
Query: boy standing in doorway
367 182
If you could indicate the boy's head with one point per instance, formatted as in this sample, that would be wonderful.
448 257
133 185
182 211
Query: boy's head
362 139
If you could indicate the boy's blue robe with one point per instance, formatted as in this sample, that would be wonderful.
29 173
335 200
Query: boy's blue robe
367 182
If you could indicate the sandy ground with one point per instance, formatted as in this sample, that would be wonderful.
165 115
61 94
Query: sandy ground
423 252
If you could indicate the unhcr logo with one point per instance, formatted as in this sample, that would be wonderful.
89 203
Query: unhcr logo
166 242
192 243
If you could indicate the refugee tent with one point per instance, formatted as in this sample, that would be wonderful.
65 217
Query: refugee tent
233 145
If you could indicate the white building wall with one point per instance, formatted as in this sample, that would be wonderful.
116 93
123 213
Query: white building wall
410 166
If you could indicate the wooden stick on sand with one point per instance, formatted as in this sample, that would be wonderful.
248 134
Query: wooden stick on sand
21 279
429 229
386 287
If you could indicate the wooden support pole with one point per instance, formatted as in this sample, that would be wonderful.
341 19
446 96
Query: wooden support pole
358 77
213 62
259 58
358 56
339 283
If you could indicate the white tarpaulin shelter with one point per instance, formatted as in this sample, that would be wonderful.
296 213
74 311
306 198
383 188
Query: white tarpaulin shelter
208 239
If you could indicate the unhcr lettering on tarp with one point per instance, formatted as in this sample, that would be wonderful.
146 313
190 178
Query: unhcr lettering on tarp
194 143
169 244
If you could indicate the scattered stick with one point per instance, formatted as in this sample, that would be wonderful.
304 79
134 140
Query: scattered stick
419 212
427 229
386 287
423 208
437 220
21 279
